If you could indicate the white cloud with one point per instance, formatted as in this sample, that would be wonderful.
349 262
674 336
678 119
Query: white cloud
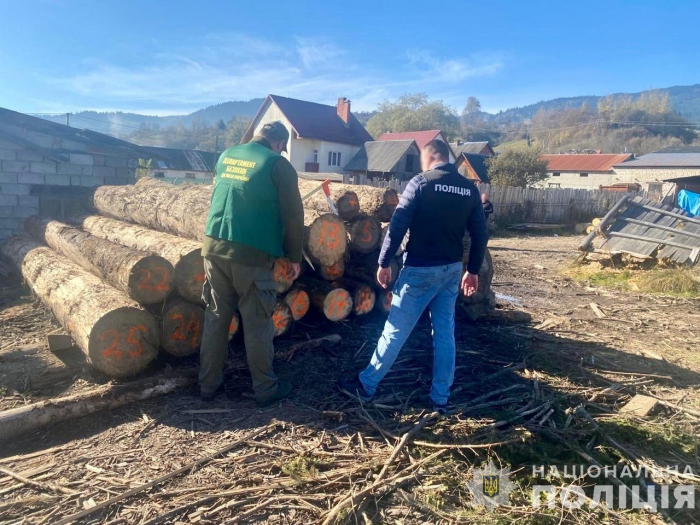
239 67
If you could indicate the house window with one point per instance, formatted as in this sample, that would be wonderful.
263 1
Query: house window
334 158
410 162
189 175
315 156
554 185
159 174
583 175
556 174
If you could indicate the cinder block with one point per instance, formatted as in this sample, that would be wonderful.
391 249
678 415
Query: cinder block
29 155
31 201
6 234
30 178
75 180
8 144
127 173
69 169
99 160
87 170
10 178
42 167
22 212
15 166
104 171
8 200
7 154
91 181
133 163
43 140
6 211
58 180
10 223
116 162
82 159
15 189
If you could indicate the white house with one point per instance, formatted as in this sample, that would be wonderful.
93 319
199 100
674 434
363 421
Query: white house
582 170
185 164
322 138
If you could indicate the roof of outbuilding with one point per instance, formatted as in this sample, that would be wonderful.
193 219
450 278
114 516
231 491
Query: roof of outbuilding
478 163
664 160
585 163
380 155
183 159
470 147
311 120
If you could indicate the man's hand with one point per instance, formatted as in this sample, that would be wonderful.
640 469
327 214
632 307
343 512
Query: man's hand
384 277
470 284
294 270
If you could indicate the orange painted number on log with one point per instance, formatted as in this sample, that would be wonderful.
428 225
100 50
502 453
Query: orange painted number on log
186 331
329 235
366 236
299 305
199 278
337 308
147 276
144 283
162 286
132 339
113 349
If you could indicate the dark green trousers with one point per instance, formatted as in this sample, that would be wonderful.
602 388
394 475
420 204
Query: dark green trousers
231 287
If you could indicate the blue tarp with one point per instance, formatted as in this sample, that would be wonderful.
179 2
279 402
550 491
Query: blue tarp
689 202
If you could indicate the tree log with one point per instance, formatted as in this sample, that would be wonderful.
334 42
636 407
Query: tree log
365 234
333 302
326 238
18 421
145 277
402 246
181 324
179 210
332 272
298 301
282 274
117 336
363 296
483 301
185 255
378 202
282 318
383 302
345 199
364 268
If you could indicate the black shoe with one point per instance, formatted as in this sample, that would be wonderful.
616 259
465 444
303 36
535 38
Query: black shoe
209 396
440 409
354 387
284 388
428 403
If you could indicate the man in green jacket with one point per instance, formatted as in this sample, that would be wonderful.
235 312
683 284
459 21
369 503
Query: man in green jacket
256 216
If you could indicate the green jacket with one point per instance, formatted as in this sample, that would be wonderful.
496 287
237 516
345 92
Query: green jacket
256 213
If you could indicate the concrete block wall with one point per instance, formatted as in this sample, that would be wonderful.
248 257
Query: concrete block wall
31 183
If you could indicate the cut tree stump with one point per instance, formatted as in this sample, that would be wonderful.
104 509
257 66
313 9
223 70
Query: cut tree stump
118 337
298 301
181 324
325 238
27 418
333 302
185 255
282 318
145 277
365 234
345 199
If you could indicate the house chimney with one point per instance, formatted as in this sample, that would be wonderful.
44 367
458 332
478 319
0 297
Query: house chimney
343 109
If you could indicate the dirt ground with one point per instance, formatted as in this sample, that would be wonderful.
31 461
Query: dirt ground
526 394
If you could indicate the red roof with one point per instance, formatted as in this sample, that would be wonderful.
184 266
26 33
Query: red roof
585 163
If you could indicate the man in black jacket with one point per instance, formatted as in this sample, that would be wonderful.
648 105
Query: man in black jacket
437 207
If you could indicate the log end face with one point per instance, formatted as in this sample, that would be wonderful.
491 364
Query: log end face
332 272
282 274
364 300
383 301
282 318
151 279
365 234
123 342
181 327
348 206
190 276
327 239
337 304
299 303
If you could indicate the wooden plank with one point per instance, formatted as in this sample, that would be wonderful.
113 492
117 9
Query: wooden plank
639 406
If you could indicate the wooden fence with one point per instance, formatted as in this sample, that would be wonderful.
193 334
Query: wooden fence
514 205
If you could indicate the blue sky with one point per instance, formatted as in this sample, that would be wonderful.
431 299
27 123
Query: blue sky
176 56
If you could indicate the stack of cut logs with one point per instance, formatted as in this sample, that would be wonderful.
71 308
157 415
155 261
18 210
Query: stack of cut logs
127 280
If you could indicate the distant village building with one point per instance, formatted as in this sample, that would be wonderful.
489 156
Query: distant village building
480 148
322 138
182 164
666 171
420 137
385 160
48 168
473 166
582 171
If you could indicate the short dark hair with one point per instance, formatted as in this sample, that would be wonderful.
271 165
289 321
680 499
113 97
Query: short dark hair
439 148
274 131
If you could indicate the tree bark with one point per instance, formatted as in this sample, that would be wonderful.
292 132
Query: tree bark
345 199
298 301
325 239
18 421
181 325
185 255
333 302
363 296
365 234
145 277
282 318
118 337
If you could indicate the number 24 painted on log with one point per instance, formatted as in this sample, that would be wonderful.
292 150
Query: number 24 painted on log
114 350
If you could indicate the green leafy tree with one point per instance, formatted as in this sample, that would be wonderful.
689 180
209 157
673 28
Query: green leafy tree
413 112
520 168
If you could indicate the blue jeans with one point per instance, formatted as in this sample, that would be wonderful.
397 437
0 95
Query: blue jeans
418 288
